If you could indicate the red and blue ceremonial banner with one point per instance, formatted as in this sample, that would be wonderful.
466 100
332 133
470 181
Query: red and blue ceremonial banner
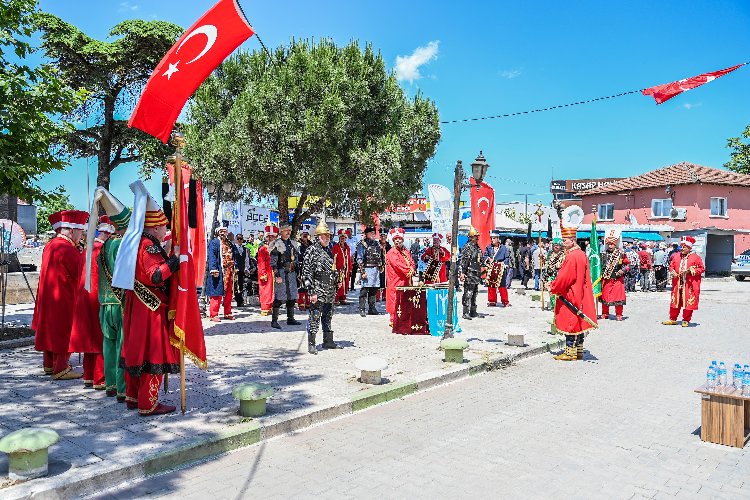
187 64
663 93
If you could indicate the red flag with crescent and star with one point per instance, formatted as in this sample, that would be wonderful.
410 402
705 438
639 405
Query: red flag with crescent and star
195 55
482 211
662 93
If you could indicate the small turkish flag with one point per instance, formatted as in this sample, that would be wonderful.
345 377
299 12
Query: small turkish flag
662 93
195 55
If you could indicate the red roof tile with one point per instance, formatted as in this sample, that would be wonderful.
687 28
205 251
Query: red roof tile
680 173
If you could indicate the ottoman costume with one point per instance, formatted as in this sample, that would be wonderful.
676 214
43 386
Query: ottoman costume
284 262
265 272
555 258
303 297
371 263
146 352
320 277
55 301
497 259
573 283
220 279
686 269
343 258
616 264
470 269
437 259
399 269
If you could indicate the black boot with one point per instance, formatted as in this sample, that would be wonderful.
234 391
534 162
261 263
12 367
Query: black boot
328 342
474 313
466 314
275 318
362 306
311 343
371 302
290 313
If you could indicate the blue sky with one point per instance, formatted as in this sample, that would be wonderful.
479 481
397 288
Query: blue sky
486 58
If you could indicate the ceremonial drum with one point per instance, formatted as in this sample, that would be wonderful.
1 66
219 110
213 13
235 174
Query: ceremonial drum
432 272
495 271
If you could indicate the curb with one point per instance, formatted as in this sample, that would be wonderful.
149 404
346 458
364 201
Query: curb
247 434
13 343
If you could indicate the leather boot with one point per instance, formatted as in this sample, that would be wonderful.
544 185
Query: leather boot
474 313
290 304
275 318
362 306
579 352
328 342
569 354
371 310
466 314
311 343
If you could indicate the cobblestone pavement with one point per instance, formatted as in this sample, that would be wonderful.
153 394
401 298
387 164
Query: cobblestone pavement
623 424
98 434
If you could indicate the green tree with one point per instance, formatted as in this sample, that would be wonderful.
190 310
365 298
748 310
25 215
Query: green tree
739 158
54 202
32 99
327 123
114 74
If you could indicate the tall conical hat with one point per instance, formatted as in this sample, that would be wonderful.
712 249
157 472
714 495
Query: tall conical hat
118 214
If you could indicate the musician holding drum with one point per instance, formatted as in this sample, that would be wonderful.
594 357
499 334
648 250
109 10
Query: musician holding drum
497 260
437 258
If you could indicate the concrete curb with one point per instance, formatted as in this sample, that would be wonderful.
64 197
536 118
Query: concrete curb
246 434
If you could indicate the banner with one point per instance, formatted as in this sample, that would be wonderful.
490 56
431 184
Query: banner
441 208
437 311
482 211
663 93
595 261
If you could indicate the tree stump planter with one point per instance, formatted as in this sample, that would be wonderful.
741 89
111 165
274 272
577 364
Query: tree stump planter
371 369
454 350
27 451
252 397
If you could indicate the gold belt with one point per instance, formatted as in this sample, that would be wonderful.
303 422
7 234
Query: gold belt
145 295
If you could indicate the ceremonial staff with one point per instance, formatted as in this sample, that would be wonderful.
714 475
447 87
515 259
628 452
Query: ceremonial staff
539 212
178 141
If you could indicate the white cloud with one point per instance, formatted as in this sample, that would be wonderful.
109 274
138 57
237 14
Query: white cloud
407 67
128 7
510 74
688 105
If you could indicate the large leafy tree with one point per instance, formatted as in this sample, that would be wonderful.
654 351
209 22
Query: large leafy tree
114 74
54 202
739 158
32 99
327 123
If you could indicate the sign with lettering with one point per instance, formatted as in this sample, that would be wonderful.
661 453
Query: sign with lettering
578 185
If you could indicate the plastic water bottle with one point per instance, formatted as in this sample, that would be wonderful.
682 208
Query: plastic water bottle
737 376
711 379
746 383
721 378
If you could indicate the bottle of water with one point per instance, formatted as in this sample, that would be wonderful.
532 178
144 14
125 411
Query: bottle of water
737 376
721 378
711 379
746 383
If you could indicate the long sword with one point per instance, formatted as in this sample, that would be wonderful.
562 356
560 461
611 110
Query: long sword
577 311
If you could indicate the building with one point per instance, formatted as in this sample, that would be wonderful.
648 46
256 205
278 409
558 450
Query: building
566 192
711 204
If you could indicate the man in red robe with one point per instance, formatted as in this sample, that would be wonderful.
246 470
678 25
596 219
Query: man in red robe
686 269
615 265
436 257
86 334
573 282
265 272
342 257
146 352
56 296
399 269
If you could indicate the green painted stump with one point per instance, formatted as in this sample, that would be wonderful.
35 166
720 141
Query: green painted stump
252 397
454 350
27 451
536 297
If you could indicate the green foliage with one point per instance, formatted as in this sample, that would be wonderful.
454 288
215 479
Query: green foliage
327 123
114 74
55 201
739 158
31 102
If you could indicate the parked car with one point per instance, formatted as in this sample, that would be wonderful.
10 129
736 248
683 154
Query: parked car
741 266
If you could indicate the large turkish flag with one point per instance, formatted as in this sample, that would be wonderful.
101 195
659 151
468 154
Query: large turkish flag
482 211
195 55
662 93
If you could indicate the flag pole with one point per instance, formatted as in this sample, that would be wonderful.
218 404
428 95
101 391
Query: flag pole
178 140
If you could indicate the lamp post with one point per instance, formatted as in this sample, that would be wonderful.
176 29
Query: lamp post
478 170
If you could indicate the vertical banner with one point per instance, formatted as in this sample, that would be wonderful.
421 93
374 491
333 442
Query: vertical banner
441 208
482 211
437 311
595 261
229 215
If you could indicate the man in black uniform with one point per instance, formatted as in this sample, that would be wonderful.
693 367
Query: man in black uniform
371 262
320 277
303 299
284 260
470 270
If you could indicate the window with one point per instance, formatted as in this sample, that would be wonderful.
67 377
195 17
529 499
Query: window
661 208
719 207
606 211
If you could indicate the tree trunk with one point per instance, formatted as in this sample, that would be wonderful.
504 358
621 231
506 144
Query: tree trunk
297 222
283 205
104 156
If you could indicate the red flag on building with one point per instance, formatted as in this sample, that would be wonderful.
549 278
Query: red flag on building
482 211
184 312
662 93
195 55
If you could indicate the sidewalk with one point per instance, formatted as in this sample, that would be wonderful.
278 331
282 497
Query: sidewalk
103 444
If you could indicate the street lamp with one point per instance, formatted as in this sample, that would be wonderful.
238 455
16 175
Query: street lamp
478 170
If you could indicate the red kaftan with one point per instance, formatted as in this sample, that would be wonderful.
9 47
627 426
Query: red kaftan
265 279
399 268
145 346
342 256
444 256
86 333
573 282
55 300
691 268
